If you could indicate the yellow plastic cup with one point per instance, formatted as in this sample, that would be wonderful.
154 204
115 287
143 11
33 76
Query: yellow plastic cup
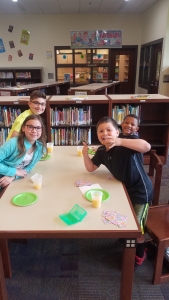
79 150
96 198
37 182
50 147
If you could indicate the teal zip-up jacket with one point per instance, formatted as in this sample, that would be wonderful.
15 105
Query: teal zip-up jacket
9 159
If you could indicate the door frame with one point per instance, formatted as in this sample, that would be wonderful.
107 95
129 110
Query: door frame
133 64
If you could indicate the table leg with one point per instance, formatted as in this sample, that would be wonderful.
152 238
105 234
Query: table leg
127 270
3 292
5 258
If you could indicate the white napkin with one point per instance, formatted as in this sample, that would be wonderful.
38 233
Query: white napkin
86 188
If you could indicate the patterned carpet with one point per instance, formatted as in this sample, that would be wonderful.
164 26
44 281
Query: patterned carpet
79 269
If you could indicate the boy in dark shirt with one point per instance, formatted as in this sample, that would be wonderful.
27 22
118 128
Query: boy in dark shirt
120 156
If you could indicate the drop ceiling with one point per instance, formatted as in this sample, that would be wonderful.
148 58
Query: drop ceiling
8 7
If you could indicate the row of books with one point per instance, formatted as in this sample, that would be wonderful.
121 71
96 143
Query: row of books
3 135
120 112
6 75
5 84
71 116
23 74
8 116
70 136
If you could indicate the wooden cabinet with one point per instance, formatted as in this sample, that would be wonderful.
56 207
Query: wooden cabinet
69 119
154 120
19 76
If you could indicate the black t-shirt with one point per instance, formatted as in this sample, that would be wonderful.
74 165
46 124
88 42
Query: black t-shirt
133 136
125 165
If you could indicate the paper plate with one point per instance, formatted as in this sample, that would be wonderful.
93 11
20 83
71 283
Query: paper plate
24 199
91 151
105 196
45 158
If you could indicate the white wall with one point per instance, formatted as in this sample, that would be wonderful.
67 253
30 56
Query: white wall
48 31
154 26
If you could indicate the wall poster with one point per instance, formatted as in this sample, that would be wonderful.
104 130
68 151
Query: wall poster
96 39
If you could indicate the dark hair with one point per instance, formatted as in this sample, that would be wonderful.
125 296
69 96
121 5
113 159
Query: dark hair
37 94
107 120
132 116
21 135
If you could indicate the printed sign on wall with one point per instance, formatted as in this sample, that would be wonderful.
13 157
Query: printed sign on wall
96 39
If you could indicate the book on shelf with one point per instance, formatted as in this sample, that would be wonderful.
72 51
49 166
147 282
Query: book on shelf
8 116
5 84
71 116
70 136
6 75
120 112
23 74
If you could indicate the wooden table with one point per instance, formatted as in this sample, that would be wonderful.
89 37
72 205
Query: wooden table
96 88
57 196
49 87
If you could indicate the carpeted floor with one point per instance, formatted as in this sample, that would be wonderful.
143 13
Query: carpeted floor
79 269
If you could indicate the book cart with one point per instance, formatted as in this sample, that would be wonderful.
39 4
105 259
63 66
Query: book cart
153 114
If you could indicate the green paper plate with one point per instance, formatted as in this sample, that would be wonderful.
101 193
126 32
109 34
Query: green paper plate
24 199
45 158
105 196
91 151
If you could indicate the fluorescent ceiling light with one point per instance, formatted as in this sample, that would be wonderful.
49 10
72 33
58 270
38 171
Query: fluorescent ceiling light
14 0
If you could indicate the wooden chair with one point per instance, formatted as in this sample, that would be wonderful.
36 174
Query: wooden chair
157 226
155 173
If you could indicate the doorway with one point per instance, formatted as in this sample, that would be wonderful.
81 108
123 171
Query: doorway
124 65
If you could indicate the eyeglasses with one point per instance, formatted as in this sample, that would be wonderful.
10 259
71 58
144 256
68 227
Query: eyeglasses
31 128
38 103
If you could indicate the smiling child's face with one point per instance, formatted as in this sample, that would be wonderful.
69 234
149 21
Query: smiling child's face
105 131
129 126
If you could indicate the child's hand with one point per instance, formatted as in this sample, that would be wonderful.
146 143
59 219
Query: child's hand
21 173
110 142
85 149
4 181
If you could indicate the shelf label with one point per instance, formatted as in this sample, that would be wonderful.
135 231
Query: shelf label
78 101
16 102
142 100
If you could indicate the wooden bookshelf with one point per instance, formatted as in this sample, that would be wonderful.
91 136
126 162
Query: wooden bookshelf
96 88
153 114
154 121
19 76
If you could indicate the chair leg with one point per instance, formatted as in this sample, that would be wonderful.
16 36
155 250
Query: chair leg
159 263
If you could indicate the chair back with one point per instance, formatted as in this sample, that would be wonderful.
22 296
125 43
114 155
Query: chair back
155 173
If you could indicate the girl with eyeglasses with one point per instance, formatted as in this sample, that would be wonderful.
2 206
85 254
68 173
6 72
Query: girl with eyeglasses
37 105
20 154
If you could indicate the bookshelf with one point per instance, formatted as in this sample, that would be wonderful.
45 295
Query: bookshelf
96 105
154 120
19 76
122 68
13 105
153 114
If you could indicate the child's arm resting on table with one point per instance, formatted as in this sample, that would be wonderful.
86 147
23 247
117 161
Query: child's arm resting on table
90 167
135 144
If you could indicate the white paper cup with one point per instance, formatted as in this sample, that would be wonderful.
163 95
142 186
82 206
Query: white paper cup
37 182
96 198
50 147
79 150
